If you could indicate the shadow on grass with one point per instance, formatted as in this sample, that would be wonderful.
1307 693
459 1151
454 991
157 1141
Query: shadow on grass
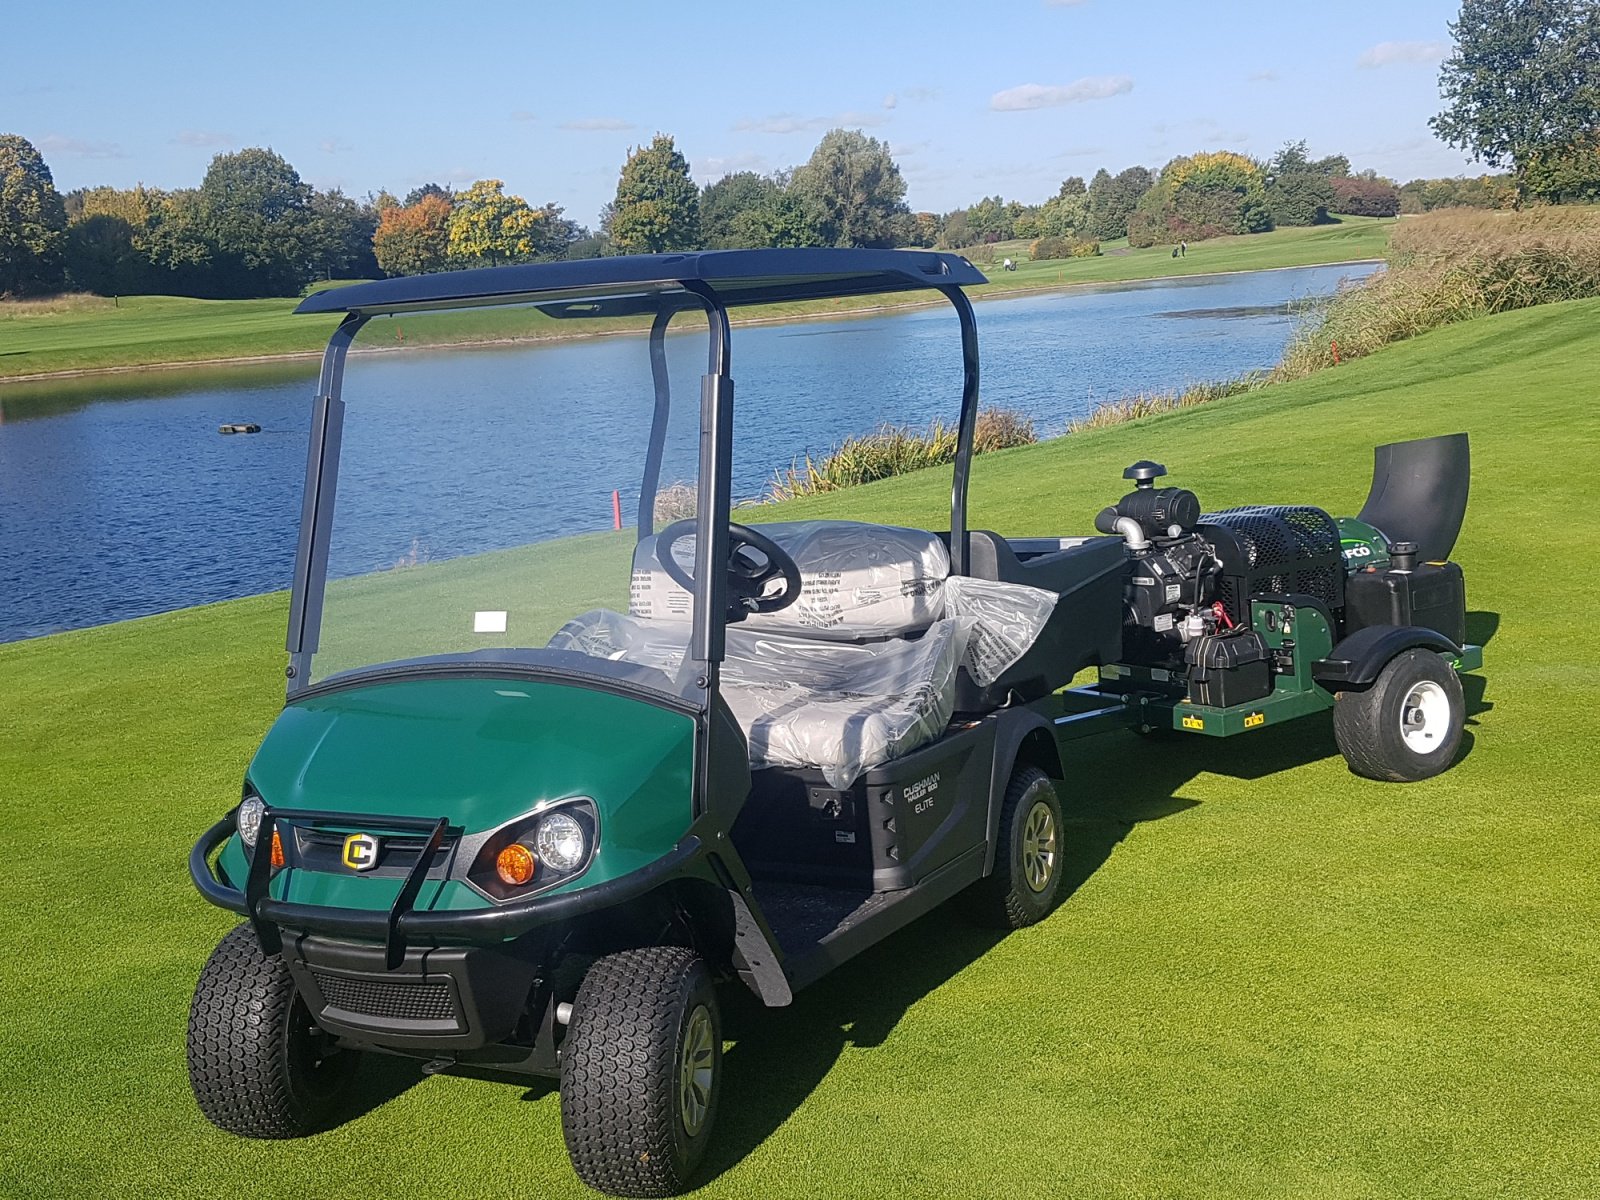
381 1078
1114 784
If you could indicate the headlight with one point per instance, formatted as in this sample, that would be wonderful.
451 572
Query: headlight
249 818
561 842
538 851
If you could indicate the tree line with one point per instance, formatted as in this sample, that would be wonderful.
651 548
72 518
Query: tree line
1521 91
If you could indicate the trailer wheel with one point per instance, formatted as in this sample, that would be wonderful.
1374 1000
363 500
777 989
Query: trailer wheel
641 1066
1026 881
1407 725
258 1064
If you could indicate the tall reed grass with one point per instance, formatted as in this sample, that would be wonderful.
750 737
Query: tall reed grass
895 450
49 306
1452 265
1149 404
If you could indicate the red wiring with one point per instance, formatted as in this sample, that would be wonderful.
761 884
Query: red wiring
1222 614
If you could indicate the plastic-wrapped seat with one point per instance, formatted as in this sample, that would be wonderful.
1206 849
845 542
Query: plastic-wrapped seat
858 581
840 707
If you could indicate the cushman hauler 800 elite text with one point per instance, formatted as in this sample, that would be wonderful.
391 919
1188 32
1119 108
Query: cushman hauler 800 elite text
539 789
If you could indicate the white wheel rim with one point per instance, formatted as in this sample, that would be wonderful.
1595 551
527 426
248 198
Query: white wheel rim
1425 717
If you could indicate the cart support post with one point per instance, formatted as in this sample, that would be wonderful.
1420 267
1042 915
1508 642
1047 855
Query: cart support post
316 505
651 481
966 430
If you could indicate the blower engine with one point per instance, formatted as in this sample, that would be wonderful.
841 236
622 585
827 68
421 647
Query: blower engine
1191 577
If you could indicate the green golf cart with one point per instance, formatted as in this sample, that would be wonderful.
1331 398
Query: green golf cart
542 783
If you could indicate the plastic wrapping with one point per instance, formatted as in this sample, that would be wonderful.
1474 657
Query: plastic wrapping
841 707
1001 621
856 579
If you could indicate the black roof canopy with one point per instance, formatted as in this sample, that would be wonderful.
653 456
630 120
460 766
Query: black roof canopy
645 283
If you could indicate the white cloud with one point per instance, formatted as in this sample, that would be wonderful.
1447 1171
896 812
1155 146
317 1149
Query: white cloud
204 139
714 167
795 123
1388 54
1034 95
598 125
890 100
523 114
71 147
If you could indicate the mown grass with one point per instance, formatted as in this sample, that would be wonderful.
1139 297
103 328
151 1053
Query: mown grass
1272 979
144 330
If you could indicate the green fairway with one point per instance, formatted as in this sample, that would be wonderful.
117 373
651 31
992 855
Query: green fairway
145 330
1271 979
1352 239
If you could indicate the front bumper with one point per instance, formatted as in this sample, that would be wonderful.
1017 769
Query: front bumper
437 999
400 925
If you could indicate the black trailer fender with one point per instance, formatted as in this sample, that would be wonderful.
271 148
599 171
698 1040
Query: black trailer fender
1356 661
1021 736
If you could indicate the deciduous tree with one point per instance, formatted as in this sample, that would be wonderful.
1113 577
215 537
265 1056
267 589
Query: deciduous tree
1200 196
1113 198
413 239
1523 79
488 227
256 213
856 187
724 203
33 220
657 206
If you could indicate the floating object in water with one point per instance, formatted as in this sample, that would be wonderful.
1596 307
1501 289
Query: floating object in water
239 427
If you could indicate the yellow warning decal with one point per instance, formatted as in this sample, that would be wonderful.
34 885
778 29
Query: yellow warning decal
1251 720
1193 723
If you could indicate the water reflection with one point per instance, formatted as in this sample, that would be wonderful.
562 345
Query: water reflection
119 498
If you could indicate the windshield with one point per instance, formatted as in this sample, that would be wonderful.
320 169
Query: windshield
488 494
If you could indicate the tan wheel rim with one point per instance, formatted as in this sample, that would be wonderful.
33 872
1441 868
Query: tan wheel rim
1039 847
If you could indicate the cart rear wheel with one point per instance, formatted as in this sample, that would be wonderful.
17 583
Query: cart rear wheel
1026 882
640 1070
1407 725
258 1064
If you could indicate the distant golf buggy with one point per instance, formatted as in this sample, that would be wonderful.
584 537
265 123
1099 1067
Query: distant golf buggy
538 789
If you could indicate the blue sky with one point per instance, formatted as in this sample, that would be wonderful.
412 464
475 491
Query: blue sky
1008 96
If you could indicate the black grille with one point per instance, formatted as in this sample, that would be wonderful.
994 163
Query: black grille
396 999
323 850
1275 550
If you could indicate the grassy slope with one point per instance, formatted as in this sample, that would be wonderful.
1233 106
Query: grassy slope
1274 980
168 329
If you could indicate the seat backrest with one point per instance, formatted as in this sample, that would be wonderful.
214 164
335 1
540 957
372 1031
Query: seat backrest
857 580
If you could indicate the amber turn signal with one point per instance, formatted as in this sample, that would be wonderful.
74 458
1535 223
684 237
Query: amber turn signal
514 864
277 851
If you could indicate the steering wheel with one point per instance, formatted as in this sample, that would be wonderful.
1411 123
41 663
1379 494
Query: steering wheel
754 560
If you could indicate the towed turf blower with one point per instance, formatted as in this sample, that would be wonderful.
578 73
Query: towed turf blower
1214 601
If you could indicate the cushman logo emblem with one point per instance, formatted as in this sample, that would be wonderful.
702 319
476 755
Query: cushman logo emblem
361 852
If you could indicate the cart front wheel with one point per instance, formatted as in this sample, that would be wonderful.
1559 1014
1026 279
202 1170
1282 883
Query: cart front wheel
258 1064
1407 725
1026 882
640 1070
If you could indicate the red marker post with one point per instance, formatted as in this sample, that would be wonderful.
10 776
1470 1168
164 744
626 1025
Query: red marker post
1334 346
616 509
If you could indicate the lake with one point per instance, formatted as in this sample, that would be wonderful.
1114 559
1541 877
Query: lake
118 498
